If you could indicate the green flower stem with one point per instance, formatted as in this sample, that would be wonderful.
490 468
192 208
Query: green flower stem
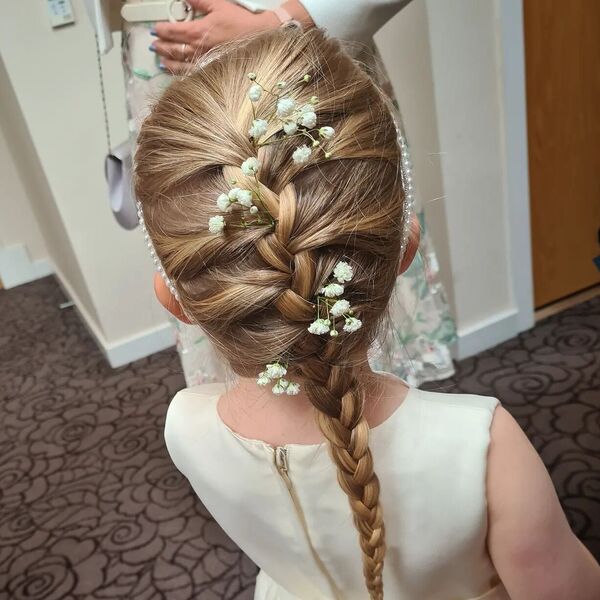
259 197
264 89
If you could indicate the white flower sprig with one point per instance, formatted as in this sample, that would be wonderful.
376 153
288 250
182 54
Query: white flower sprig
275 372
245 198
294 119
330 306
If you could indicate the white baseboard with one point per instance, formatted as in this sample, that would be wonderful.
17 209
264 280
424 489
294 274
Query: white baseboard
140 345
125 350
487 333
17 268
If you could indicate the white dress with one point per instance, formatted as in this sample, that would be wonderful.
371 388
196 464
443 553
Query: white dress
285 510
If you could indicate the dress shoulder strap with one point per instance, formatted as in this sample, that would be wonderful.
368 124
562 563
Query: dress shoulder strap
466 401
190 414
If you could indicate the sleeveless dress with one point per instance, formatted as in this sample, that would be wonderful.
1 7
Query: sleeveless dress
285 510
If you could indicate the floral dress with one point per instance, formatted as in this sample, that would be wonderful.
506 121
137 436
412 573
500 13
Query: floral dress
416 344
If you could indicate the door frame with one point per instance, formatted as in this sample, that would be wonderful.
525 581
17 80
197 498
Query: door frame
514 101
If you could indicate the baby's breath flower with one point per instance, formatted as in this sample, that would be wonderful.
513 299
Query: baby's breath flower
251 76
216 224
258 129
292 389
254 209
306 78
233 194
313 99
352 324
334 333
263 379
308 119
316 143
250 166
223 203
319 326
343 272
290 127
244 197
255 92
328 154
278 388
339 308
301 154
285 107
306 108
327 132
280 84
332 290
275 370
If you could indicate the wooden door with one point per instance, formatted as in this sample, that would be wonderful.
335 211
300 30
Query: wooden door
562 59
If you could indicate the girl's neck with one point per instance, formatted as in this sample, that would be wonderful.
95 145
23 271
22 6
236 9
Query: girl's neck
255 412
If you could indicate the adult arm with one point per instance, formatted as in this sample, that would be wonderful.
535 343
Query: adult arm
223 21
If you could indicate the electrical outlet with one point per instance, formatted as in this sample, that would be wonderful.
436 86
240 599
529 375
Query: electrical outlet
61 12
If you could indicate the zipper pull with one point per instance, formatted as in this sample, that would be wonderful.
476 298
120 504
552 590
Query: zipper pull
281 459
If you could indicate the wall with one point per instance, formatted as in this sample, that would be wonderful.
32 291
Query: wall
23 252
105 269
456 66
18 224
404 47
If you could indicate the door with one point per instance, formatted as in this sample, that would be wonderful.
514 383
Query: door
562 60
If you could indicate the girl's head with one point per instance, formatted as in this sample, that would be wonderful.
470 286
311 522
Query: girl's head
253 287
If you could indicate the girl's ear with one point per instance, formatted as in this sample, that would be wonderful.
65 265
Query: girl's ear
414 237
168 300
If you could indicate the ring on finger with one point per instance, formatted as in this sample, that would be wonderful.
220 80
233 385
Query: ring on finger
184 53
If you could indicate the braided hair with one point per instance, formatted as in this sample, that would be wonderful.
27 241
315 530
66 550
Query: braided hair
252 289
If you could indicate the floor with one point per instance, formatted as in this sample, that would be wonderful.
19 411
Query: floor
92 508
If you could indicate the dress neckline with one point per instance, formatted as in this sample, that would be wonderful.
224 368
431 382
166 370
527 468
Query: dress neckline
411 391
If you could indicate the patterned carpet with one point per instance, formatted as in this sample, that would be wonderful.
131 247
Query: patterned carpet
91 507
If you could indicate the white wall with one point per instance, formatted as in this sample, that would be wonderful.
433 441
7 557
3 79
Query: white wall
54 77
404 47
18 224
23 252
456 66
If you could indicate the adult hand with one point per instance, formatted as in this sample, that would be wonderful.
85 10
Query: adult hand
180 43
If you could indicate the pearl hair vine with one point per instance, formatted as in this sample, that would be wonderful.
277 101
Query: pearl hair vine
295 120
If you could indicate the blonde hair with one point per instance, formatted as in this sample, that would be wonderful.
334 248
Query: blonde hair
252 289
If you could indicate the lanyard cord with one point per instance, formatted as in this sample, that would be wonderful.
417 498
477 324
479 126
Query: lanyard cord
103 94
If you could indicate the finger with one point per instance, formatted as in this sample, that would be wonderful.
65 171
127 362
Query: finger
174 32
174 67
181 52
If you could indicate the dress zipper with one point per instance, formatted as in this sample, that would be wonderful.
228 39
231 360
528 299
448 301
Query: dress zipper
280 455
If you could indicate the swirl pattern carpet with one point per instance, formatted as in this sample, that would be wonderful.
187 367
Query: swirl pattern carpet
92 508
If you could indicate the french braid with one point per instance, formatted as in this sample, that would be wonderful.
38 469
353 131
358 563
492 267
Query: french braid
252 289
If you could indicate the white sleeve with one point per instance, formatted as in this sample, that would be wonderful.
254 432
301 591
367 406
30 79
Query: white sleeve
353 20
